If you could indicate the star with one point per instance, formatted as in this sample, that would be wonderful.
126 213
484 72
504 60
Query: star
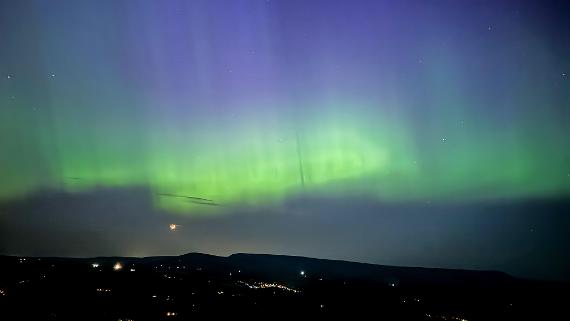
9 77
443 140
490 28
52 75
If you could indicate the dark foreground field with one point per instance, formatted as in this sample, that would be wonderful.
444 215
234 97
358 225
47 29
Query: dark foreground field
263 286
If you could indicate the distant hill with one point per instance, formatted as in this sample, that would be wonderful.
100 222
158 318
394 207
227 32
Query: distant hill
176 287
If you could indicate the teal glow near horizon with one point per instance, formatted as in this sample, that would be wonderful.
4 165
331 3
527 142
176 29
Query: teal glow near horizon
242 107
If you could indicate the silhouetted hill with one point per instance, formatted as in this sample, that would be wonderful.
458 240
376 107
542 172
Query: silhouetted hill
176 287
274 264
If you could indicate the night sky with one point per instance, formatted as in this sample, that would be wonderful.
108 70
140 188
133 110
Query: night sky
418 133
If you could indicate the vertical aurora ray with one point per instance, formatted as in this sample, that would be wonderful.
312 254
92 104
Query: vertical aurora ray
250 102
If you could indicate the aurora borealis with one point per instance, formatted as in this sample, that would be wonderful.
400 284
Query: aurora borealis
252 104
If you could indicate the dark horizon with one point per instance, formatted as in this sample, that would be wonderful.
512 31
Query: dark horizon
177 288
303 227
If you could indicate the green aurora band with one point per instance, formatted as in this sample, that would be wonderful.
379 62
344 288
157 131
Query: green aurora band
75 117
270 159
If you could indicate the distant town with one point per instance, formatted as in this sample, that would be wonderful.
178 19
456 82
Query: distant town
177 288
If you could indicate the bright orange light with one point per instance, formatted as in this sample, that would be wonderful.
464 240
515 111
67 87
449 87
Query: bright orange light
117 266
173 227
